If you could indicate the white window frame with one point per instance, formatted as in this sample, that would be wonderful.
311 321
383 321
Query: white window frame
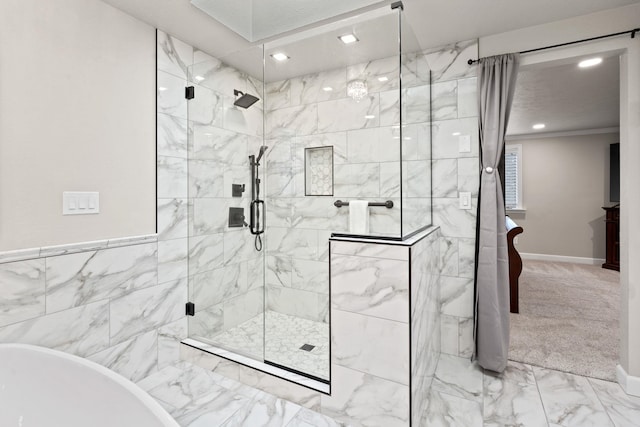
517 149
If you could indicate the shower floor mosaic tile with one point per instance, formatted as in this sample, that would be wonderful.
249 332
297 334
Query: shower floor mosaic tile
285 335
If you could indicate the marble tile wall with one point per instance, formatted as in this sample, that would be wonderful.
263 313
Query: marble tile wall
455 114
385 331
365 137
203 148
108 305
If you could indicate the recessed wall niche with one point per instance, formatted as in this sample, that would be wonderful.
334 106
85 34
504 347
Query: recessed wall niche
318 171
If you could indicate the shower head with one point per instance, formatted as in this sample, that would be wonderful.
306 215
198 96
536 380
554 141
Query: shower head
245 100
261 153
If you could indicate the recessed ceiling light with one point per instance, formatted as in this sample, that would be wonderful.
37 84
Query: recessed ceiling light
456 134
369 116
199 78
162 89
538 126
327 88
208 134
348 38
589 62
279 56
383 79
407 138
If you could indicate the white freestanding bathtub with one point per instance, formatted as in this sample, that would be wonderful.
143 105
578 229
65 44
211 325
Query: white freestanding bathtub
40 387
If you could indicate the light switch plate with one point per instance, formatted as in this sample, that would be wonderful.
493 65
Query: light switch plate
464 142
465 199
80 202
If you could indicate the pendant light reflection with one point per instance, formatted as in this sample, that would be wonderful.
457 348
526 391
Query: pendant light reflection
357 90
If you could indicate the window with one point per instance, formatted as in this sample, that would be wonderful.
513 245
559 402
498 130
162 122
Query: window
513 177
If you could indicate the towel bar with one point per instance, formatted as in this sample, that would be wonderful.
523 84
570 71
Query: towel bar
388 204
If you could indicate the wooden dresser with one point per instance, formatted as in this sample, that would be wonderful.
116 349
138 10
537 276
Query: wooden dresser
612 221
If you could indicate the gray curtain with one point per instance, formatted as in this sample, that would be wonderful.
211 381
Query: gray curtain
496 84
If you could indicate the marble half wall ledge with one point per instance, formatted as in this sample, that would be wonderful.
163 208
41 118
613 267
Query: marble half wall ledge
72 248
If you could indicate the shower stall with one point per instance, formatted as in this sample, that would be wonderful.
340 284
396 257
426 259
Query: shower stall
278 147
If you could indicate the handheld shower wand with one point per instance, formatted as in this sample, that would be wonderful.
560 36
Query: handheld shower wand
254 223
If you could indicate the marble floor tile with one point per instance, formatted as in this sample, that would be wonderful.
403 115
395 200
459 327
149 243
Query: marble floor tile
457 377
624 410
451 411
512 399
569 400
264 410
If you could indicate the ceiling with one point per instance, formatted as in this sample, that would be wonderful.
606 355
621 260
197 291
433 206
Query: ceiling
435 23
566 98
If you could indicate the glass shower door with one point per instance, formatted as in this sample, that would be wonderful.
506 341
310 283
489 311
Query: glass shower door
226 279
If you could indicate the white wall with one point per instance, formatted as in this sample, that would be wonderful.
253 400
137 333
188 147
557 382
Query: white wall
565 183
615 20
77 113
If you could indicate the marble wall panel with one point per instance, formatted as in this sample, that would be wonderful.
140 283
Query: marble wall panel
169 337
357 180
82 330
300 120
170 95
297 302
172 136
347 114
310 88
372 286
243 307
369 344
172 217
78 279
23 291
173 56
135 359
361 399
216 286
217 144
146 309
205 253
172 177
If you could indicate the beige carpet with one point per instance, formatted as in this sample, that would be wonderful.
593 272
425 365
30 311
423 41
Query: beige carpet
568 318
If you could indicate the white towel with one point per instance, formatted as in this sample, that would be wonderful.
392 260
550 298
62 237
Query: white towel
359 217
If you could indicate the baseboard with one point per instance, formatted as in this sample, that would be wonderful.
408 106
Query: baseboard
629 383
562 258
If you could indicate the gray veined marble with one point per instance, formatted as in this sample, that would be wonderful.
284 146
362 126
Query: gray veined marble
300 120
218 76
278 95
453 221
243 307
278 270
457 296
215 286
207 107
375 287
372 71
337 140
23 290
133 359
169 338
78 279
310 88
390 108
172 218
170 95
357 180
372 145
264 410
467 97
347 114
205 253
389 182
469 175
206 179
455 376
296 302
81 330
302 244
172 259
450 62
569 400
146 309
512 398
239 246
449 333
220 145
623 409
207 322
445 178
446 410
172 177
372 345
174 56
449 256
444 100
172 136
362 399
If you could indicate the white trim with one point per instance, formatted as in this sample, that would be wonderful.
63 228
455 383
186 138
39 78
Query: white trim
562 258
527 136
72 248
629 383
